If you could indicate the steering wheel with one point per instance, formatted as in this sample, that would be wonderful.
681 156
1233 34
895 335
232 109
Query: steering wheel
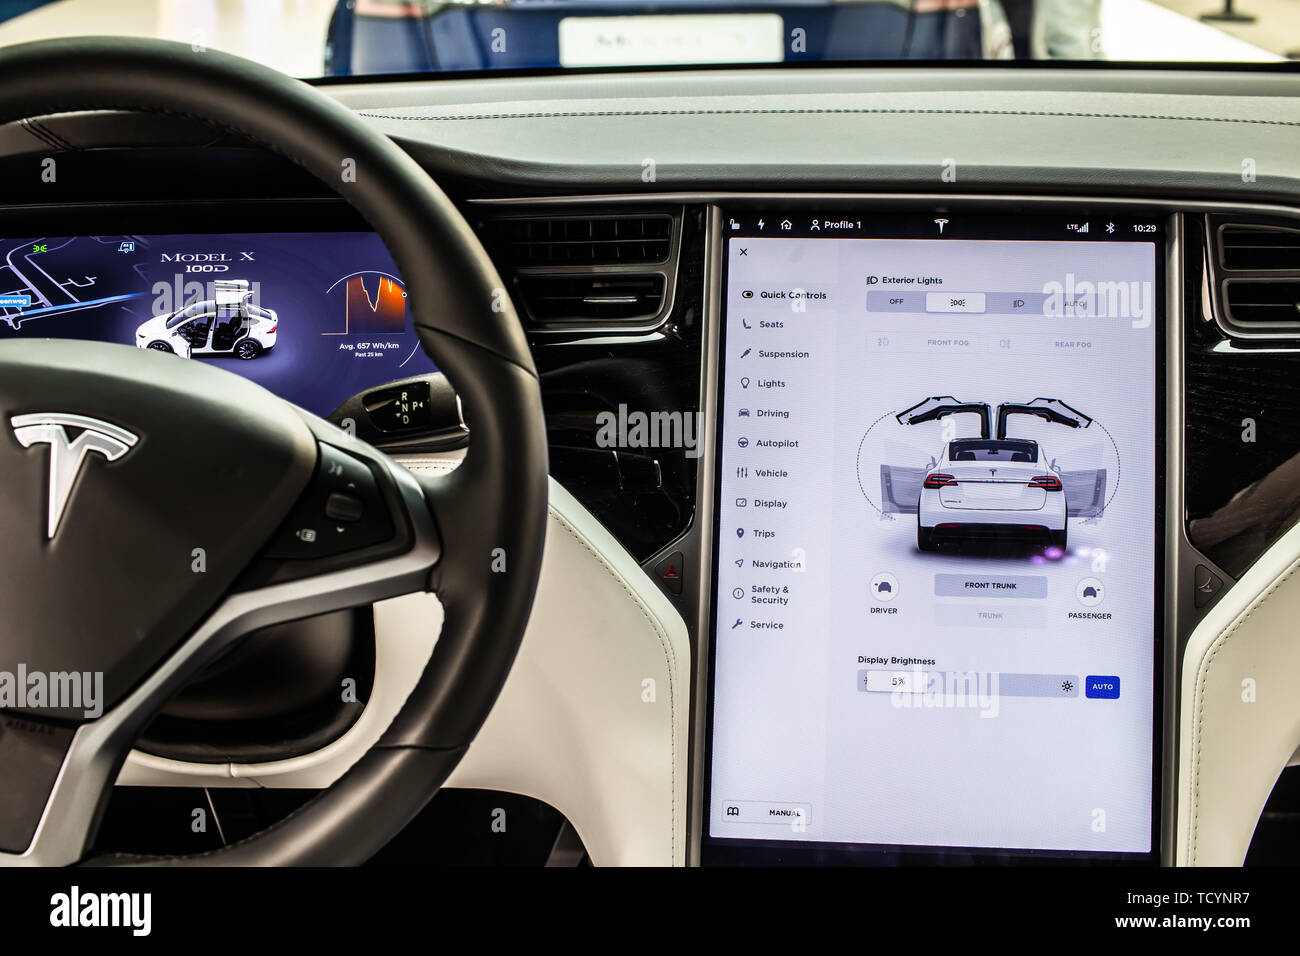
120 467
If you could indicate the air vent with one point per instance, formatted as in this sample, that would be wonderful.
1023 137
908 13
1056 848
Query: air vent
580 240
1262 302
1252 248
588 299
1252 286
587 270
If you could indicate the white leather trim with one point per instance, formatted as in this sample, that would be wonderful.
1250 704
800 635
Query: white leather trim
571 727
1231 750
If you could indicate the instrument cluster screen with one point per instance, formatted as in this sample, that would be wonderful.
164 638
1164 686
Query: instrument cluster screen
314 317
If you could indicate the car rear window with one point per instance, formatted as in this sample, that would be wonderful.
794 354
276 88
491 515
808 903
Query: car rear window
977 450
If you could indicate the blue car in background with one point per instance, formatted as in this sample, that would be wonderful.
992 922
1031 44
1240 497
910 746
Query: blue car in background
401 36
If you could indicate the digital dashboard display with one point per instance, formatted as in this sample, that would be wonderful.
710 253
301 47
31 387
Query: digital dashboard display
935 616
313 317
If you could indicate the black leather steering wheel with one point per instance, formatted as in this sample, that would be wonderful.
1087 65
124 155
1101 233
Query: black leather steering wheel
150 441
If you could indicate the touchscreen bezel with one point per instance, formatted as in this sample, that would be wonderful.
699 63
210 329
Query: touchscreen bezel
977 223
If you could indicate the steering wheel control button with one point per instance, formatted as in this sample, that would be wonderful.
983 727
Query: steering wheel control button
339 471
342 510
1101 688
1206 585
671 571
344 507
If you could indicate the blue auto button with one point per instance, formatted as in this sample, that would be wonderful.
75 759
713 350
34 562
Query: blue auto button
1104 688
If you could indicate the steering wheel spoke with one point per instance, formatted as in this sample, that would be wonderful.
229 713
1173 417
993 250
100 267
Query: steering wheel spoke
62 775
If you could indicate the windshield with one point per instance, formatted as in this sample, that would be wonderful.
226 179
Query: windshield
189 312
314 38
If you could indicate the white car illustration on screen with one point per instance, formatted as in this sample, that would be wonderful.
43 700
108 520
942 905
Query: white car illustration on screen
227 324
990 485
991 488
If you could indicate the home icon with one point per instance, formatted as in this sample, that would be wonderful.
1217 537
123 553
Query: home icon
785 224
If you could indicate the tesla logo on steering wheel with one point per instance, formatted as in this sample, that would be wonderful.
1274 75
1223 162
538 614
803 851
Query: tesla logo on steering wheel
68 454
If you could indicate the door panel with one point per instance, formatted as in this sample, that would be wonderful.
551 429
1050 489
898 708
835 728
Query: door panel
1085 492
900 489
229 328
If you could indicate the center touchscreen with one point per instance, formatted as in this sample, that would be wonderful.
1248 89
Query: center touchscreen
935 606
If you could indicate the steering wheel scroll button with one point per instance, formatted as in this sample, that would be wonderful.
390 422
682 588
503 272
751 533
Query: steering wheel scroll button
343 507
342 510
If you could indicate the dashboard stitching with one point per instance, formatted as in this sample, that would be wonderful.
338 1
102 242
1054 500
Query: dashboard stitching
559 114
45 135
669 658
1201 679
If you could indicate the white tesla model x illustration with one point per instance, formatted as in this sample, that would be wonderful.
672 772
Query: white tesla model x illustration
991 488
990 485
227 324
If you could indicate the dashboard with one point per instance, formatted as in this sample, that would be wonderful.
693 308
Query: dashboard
961 464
